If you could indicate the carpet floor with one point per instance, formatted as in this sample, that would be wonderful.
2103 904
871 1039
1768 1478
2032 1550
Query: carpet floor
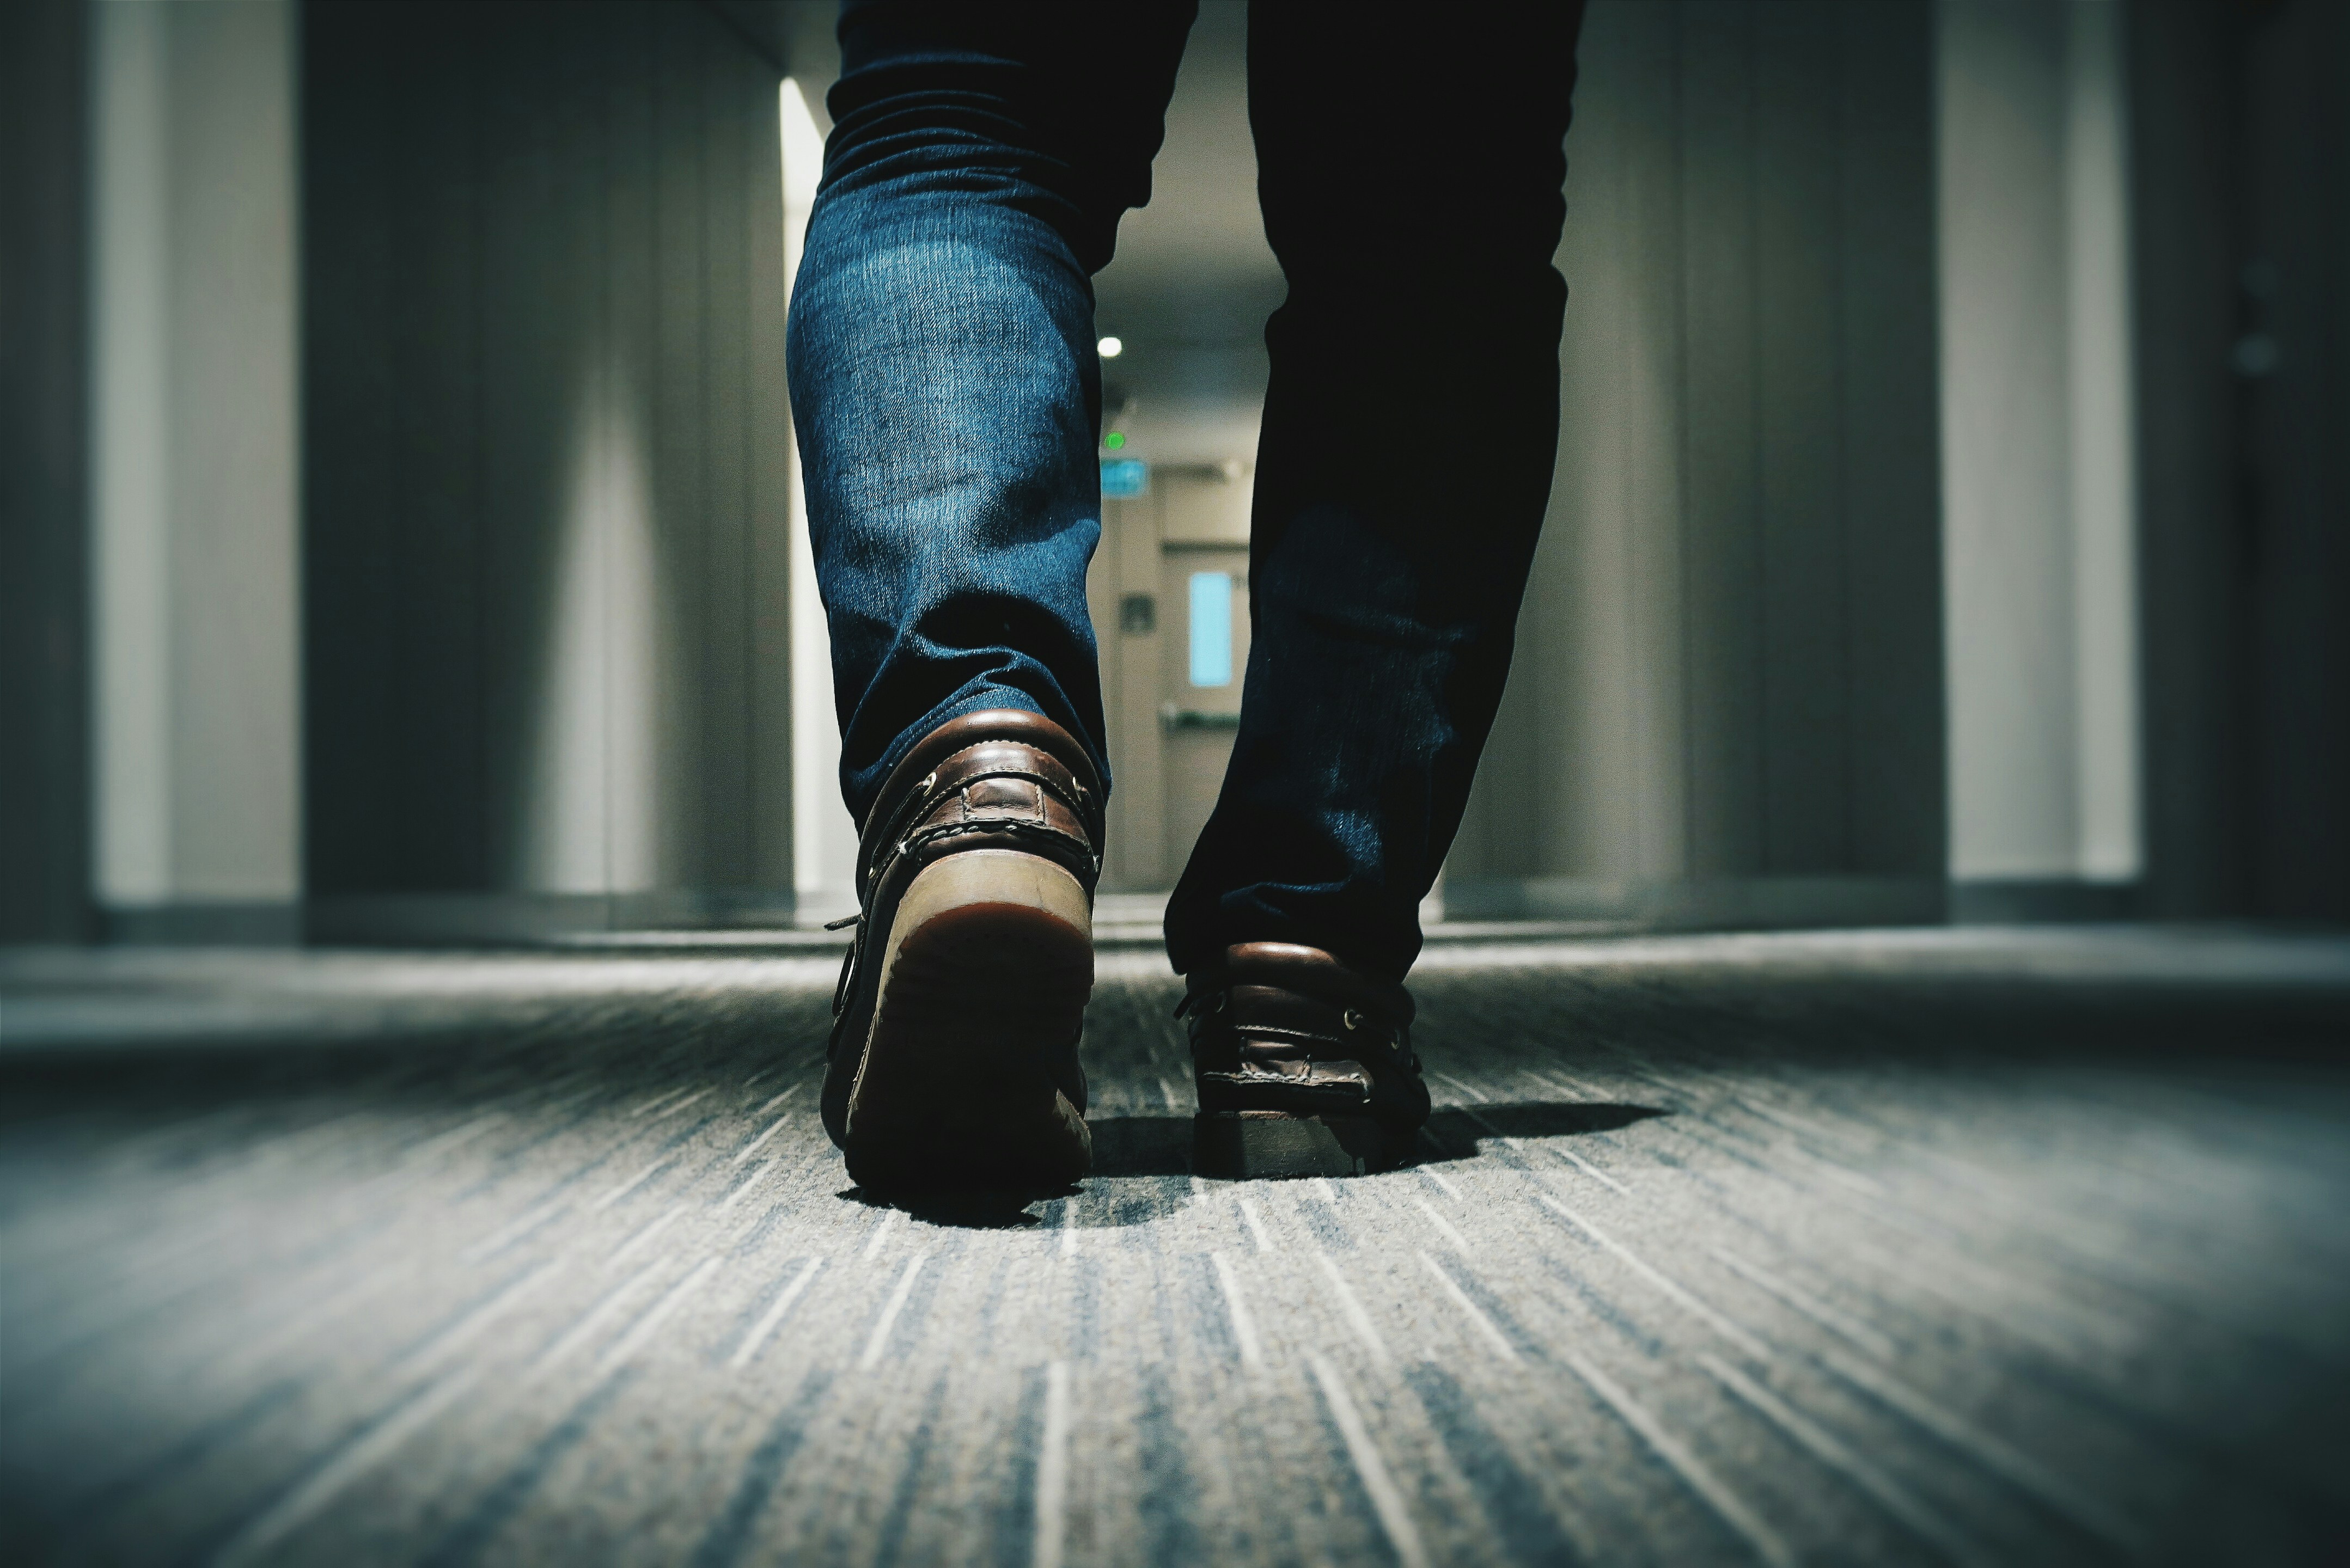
1971 1246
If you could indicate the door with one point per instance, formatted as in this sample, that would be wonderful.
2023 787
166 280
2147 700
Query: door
1170 596
1200 666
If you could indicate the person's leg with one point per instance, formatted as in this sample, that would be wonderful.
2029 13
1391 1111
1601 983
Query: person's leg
1409 430
947 395
944 377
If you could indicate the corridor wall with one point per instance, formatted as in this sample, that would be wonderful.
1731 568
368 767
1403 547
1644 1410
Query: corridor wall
193 595
1727 702
545 506
2241 195
2289 360
44 837
428 576
2040 525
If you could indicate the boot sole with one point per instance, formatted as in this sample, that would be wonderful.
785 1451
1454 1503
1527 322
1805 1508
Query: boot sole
983 987
1256 1145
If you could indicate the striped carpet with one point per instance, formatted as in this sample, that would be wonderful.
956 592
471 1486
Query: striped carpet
1961 1246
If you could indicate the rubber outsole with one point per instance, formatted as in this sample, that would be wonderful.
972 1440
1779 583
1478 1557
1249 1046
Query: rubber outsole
983 996
1257 1144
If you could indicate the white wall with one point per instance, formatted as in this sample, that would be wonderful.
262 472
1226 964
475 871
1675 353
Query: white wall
2038 534
194 480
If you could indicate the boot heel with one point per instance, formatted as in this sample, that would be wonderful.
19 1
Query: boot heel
1243 1146
983 994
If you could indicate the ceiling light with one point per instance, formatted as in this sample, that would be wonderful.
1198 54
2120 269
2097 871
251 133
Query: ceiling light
1110 347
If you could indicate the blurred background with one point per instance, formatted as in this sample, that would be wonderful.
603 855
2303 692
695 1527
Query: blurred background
401 529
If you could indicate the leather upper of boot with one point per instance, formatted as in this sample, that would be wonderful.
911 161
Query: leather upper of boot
1280 1026
1002 778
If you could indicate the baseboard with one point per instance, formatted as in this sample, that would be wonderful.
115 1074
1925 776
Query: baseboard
420 919
2041 901
1752 903
243 923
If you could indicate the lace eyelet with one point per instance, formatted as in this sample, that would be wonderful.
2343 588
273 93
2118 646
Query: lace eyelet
1353 1020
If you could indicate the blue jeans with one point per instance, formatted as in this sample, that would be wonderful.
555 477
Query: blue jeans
948 399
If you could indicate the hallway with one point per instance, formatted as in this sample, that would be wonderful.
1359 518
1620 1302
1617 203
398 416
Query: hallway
1975 1245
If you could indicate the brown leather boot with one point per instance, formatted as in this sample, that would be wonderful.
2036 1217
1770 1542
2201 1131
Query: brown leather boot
954 1042
1305 1066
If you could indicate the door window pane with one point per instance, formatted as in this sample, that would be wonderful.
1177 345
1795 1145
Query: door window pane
1124 477
1211 628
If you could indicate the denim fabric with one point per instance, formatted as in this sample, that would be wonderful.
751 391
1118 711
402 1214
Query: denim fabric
947 395
944 377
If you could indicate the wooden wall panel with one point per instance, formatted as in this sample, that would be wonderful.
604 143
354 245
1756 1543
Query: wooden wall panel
1578 600
2191 528
1728 665
679 425
1504 809
1805 695
46 555
2240 252
651 829
1895 700
435 607
725 588
1651 393
547 477
543 178
1720 439
393 698
2297 434
356 728
768 449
